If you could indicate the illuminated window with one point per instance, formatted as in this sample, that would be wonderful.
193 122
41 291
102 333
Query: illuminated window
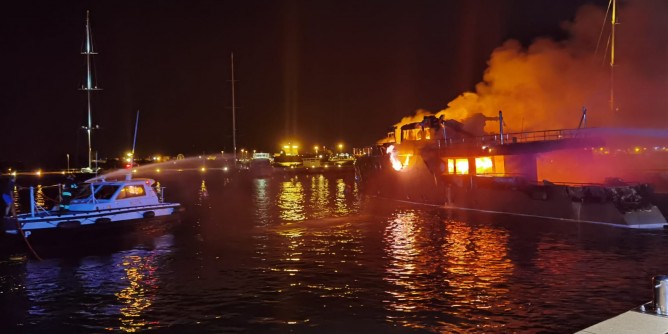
451 166
131 191
484 165
462 166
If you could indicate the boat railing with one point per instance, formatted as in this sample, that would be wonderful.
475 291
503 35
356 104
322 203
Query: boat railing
494 139
516 137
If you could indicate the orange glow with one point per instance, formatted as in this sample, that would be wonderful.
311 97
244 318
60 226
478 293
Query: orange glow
484 165
451 166
396 164
462 166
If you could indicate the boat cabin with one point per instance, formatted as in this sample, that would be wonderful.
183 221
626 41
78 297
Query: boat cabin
115 194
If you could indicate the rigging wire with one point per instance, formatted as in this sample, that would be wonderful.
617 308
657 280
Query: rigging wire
600 35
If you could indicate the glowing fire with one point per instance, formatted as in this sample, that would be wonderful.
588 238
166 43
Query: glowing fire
394 158
462 166
484 165
545 84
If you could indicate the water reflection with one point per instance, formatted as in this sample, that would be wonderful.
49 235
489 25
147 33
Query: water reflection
426 254
320 193
202 194
16 199
312 230
139 293
110 293
291 200
261 201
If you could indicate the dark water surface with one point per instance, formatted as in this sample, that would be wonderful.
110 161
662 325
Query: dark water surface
311 254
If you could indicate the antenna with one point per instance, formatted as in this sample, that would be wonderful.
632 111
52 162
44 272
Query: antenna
613 23
234 124
583 119
88 85
135 139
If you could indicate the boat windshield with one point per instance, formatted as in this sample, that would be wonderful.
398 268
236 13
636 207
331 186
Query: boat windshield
101 192
83 193
105 191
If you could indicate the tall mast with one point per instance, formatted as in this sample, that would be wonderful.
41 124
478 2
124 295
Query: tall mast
613 23
88 84
234 124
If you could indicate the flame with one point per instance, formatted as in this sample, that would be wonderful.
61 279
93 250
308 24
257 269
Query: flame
484 165
462 166
396 164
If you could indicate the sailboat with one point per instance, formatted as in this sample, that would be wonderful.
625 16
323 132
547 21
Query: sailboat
89 86
101 204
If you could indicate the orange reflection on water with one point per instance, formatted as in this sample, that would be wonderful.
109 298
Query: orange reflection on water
291 200
139 293
454 270
319 192
39 196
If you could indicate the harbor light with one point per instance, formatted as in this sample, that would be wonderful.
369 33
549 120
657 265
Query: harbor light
291 149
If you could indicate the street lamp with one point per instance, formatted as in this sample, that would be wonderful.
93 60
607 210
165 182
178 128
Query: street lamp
316 149
68 162
340 148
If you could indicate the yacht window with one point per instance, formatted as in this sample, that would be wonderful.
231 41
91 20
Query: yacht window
131 191
105 192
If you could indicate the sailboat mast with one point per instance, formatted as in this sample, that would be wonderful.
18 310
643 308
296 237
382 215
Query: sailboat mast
234 124
88 86
613 23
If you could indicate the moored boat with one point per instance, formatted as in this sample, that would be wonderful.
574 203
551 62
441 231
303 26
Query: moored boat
99 205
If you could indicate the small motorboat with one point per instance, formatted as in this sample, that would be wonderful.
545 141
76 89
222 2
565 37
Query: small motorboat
99 205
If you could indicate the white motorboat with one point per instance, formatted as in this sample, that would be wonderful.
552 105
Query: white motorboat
99 205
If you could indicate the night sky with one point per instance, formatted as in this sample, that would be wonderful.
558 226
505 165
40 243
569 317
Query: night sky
314 72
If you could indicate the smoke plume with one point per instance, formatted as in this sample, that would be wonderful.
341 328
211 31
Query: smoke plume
546 85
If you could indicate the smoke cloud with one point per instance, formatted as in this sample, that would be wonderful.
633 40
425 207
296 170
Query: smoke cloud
546 85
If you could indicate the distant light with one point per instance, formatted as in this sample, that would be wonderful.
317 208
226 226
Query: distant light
39 172
203 169
225 168
157 170
134 170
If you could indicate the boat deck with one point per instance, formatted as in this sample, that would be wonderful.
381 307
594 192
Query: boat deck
630 322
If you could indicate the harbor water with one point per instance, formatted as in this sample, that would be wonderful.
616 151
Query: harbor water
312 254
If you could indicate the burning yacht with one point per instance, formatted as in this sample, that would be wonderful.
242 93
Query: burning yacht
446 162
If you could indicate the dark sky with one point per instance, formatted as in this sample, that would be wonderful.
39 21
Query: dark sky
317 72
